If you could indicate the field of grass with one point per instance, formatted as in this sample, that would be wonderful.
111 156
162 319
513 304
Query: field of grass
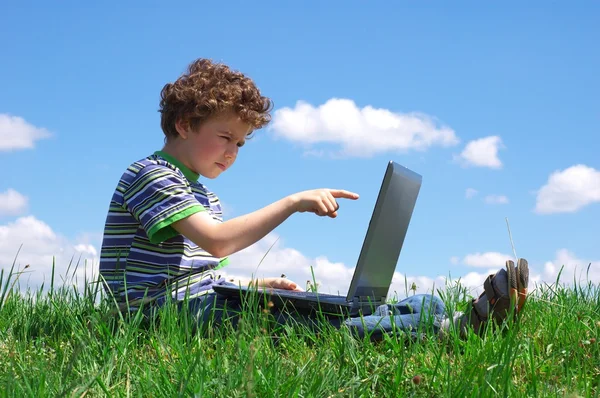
67 343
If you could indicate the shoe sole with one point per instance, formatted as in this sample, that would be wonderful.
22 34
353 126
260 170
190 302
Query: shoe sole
513 284
522 271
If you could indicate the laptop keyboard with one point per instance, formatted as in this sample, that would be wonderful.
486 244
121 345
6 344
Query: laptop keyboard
304 294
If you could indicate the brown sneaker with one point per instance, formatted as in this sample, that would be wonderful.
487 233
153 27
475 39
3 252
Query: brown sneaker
505 292
522 283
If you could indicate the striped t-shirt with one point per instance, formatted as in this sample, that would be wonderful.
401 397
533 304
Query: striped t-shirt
142 255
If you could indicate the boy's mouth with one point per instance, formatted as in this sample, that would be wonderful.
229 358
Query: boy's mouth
221 165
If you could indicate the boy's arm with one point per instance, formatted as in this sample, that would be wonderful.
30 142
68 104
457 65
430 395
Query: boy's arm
223 239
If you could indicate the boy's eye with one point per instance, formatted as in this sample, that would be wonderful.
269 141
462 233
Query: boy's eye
228 138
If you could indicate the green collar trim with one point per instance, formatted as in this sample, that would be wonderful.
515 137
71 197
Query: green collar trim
189 174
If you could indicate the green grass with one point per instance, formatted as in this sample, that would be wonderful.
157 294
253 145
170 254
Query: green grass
67 343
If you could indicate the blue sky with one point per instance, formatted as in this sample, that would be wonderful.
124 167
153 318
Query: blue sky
505 97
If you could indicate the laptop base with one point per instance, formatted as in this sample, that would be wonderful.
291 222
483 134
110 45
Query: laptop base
312 302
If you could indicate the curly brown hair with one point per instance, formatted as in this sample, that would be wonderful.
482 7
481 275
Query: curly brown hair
209 89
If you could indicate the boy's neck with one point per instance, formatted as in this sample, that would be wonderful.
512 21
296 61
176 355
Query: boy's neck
171 155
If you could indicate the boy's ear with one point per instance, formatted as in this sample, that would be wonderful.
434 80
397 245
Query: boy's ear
183 128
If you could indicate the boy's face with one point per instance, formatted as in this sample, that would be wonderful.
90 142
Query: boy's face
213 147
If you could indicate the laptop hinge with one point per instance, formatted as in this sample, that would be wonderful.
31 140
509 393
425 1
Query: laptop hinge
369 300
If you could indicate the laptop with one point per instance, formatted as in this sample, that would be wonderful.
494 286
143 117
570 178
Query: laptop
377 260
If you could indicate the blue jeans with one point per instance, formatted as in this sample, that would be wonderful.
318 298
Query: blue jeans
417 315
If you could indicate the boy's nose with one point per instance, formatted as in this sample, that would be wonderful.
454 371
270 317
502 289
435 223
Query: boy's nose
229 152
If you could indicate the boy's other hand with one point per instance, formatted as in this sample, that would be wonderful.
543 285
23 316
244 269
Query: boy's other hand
322 202
279 283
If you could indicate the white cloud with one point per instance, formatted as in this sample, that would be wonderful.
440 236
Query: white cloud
12 203
87 249
360 132
288 261
40 245
573 268
482 152
486 260
470 192
569 190
16 133
496 199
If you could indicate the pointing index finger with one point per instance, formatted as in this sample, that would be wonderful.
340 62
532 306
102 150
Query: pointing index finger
341 193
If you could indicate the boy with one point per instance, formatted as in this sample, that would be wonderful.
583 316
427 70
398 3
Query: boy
164 233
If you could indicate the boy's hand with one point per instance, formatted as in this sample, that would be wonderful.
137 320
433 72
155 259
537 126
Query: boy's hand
322 202
279 283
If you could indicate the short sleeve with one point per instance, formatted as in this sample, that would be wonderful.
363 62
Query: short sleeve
157 197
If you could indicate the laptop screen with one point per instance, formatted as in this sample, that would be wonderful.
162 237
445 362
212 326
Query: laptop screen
385 235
